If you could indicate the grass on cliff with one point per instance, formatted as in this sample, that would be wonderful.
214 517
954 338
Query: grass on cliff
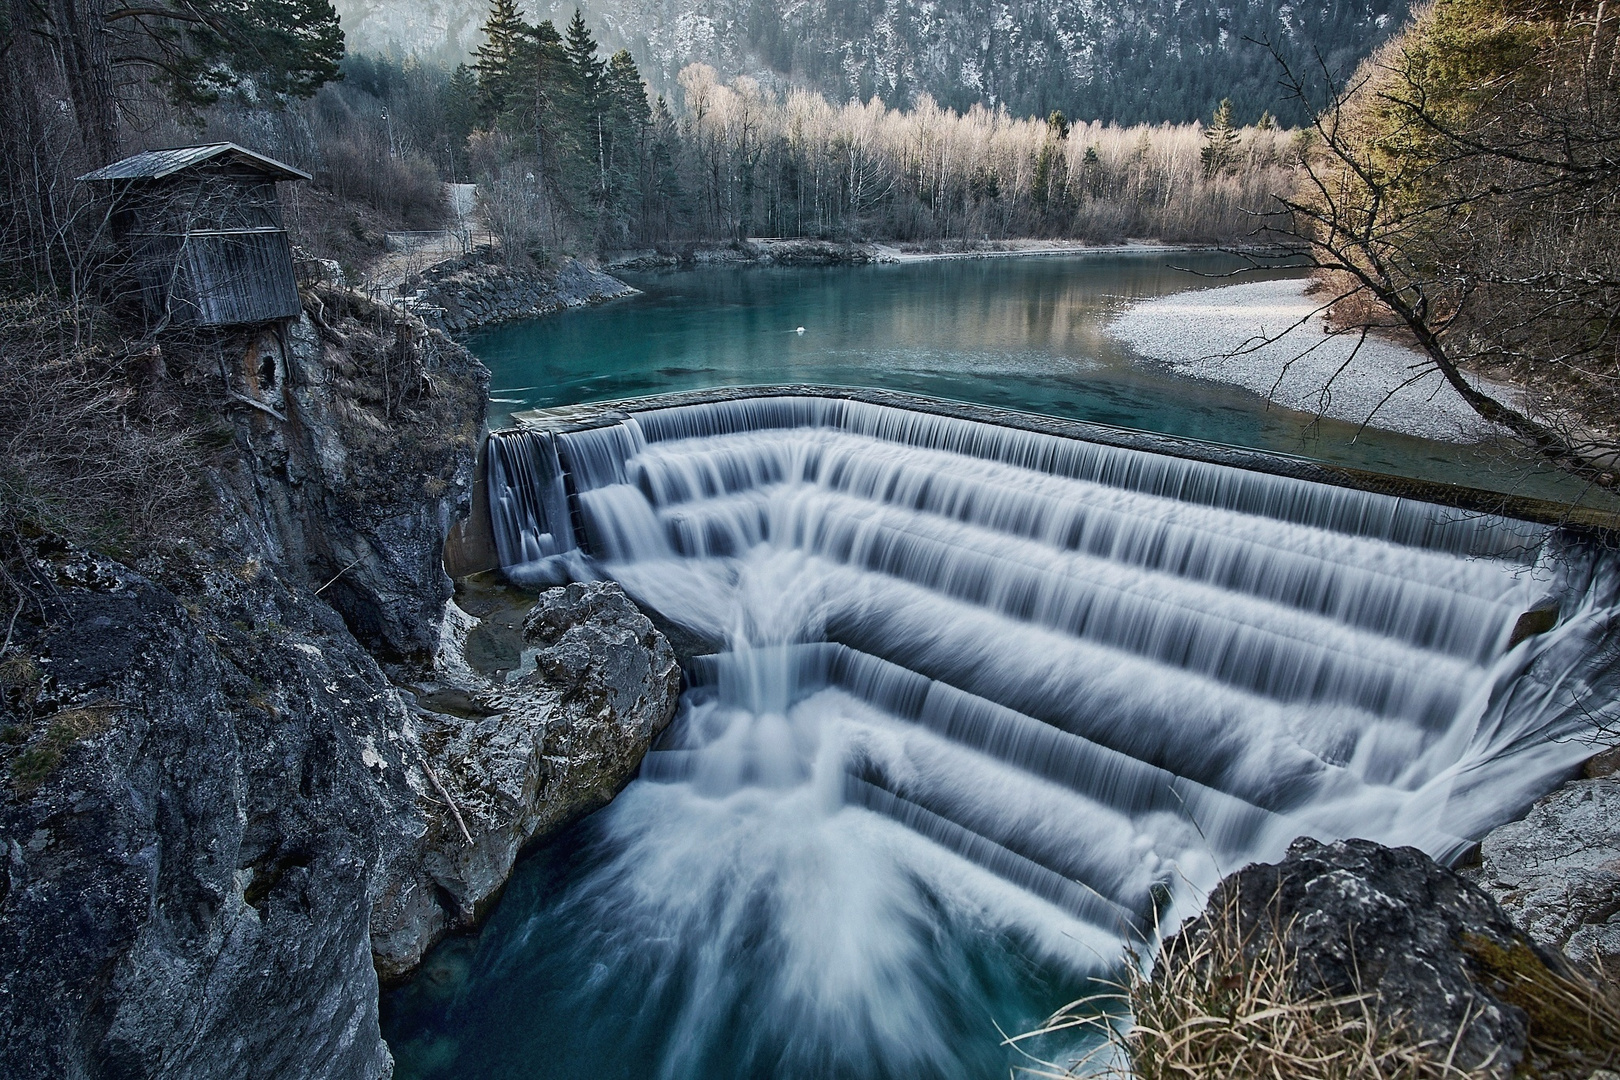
93 451
1229 1005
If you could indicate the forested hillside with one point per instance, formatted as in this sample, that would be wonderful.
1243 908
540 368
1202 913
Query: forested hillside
1126 61
569 152
1463 197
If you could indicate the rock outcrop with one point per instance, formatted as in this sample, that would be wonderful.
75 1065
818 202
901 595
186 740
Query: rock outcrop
246 776
187 887
478 290
1434 949
522 757
1556 872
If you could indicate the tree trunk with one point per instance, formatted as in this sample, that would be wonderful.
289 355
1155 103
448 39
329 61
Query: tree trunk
81 43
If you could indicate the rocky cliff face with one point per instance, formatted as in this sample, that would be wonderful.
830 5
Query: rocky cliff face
1557 872
246 777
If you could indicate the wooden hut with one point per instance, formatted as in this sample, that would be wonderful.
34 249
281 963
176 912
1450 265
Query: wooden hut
205 240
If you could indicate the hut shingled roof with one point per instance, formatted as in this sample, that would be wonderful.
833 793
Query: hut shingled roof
158 164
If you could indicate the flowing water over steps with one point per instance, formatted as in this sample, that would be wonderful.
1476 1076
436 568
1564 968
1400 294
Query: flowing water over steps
986 704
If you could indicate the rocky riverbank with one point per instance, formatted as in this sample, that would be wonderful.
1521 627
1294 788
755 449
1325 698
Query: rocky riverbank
479 289
752 252
1556 871
246 775
1413 959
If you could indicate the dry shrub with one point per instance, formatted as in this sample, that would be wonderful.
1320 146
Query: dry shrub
404 185
89 452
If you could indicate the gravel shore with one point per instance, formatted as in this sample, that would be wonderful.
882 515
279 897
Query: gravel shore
1264 337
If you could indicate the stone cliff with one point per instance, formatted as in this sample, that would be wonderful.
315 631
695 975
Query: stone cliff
248 776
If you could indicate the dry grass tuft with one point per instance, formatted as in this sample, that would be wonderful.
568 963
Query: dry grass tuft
40 760
85 455
1226 1003
1574 1017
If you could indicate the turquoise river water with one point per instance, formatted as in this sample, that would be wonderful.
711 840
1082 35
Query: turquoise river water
1019 333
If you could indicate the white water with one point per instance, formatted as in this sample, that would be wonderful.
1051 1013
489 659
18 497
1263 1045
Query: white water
1039 688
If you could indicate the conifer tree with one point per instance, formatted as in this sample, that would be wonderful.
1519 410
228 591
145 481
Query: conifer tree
584 123
627 118
112 52
663 203
1220 140
461 111
589 71
504 33
537 93
288 47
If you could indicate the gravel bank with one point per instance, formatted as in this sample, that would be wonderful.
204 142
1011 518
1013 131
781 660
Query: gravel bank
1217 334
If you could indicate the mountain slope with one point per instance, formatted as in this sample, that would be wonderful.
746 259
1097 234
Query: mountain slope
1122 60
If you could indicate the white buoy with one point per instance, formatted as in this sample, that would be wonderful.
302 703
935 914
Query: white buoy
800 330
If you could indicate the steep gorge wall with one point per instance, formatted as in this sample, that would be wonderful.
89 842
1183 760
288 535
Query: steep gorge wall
249 776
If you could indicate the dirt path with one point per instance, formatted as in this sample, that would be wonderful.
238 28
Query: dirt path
412 252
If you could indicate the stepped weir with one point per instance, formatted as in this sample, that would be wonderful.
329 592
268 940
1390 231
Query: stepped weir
1045 680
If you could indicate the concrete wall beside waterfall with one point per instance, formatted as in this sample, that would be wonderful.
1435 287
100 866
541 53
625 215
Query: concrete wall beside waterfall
470 546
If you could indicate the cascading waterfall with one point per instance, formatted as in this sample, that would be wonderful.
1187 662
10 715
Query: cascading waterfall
986 705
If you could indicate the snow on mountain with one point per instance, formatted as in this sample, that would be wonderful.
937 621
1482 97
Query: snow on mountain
1124 60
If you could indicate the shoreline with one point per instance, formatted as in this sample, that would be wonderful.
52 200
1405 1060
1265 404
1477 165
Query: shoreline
1268 337
784 251
1053 247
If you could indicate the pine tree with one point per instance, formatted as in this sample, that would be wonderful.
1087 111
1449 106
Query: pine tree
1220 140
584 123
287 46
461 111
540 80
504 33
627 119
588 70
537 91
663 204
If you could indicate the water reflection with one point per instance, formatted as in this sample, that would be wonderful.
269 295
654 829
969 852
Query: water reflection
1020 333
